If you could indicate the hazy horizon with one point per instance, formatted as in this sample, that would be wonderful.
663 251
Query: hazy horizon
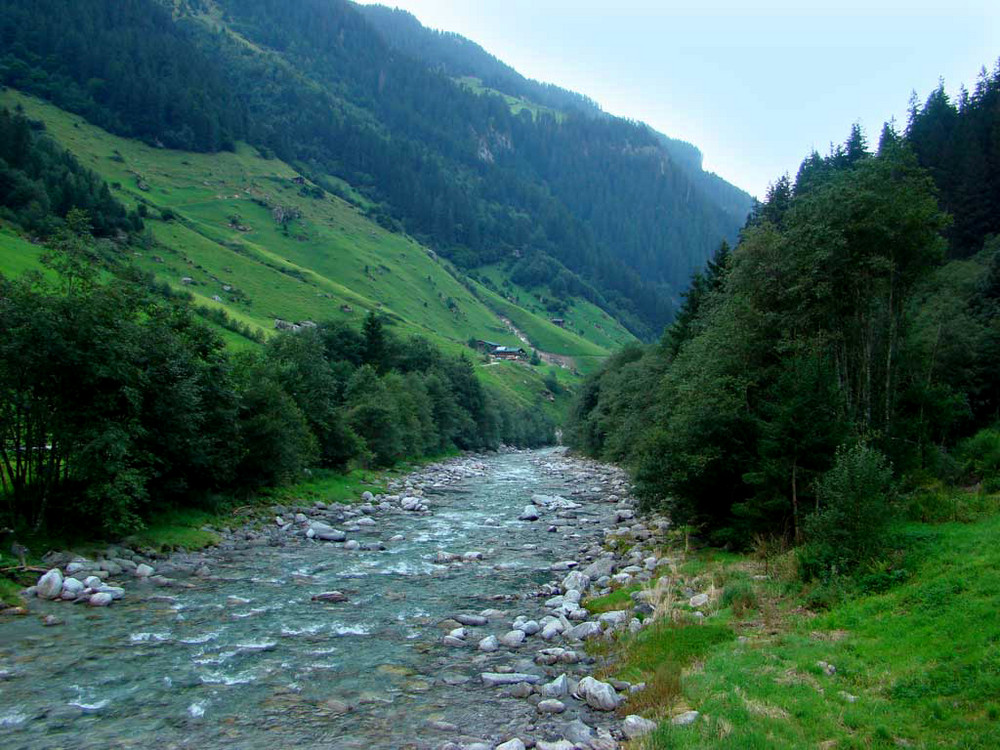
755 89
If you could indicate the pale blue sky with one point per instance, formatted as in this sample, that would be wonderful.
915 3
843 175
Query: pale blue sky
755 86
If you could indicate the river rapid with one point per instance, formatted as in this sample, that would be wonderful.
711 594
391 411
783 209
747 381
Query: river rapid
244 658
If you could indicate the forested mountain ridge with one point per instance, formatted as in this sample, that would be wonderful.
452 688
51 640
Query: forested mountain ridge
317 85
459 57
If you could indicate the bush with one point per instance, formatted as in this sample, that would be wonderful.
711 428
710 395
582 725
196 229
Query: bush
739 595
856 508
979 457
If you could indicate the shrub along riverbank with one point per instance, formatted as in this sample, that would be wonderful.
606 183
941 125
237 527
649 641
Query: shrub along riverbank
116 405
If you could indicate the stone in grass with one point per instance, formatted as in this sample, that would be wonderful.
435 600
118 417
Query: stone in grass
685 719
828 669
636 726
598 695
699 600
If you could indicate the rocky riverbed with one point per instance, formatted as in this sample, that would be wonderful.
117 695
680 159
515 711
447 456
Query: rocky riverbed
444 613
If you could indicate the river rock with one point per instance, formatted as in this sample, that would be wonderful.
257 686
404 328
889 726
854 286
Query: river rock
615 618
585 631
551 706
144 571
494 679
460 633
520 690
331 535
100 600
529 513
598 695
528 627
71 588
552 630
514 744
578 733
334 597
450 640
367 496
601 567
557 688
91 582
473 621
489 644
116 592
51 621
50 585
557 745
352 544
513 639
576 581
636 726
75 567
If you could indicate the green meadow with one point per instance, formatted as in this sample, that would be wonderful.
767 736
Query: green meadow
218 235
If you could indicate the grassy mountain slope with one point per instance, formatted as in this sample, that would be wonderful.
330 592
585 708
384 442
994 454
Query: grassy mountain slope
534 172
217 238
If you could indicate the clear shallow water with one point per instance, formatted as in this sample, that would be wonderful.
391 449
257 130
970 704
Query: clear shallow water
249 661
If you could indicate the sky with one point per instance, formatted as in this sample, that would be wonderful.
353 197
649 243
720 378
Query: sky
756 86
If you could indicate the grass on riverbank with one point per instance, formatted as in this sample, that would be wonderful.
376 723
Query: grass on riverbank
914 649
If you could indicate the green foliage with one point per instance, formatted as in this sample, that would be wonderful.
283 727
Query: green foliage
979 457
855 507
801 338
740 595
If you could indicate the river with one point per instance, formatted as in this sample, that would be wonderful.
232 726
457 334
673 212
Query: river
245 659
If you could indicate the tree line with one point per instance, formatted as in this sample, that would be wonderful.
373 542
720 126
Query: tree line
114 401
847 347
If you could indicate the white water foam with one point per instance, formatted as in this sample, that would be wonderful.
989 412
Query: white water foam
224 656
197 640
257 645
218 678
350 630
251 613
308 630
196 710
78 702
146 637
12 719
